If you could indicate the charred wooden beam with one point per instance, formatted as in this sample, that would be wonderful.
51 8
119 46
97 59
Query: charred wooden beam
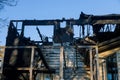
47 22
109 47
102 19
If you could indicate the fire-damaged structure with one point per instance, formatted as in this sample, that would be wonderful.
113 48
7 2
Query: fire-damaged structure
93 55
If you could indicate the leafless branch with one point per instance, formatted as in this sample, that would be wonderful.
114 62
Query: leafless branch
4 3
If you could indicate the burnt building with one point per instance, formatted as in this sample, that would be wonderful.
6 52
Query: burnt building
93 55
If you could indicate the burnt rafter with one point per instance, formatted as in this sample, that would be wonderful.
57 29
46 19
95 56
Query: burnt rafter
47 22
100 19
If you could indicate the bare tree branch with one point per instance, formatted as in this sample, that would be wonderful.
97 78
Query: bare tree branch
4 3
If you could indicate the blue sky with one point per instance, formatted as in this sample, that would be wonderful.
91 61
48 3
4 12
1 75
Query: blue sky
56 9
52 9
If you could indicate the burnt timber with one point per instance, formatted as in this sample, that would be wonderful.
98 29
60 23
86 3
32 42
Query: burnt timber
93 55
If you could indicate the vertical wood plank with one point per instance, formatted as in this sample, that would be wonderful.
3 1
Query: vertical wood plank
61 63
31 64
97 64
91 65
118 63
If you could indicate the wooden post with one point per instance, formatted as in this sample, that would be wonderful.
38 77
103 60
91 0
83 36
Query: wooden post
2 60
101 69
61 63
118 63
91 65
31 64
97 64
105 70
